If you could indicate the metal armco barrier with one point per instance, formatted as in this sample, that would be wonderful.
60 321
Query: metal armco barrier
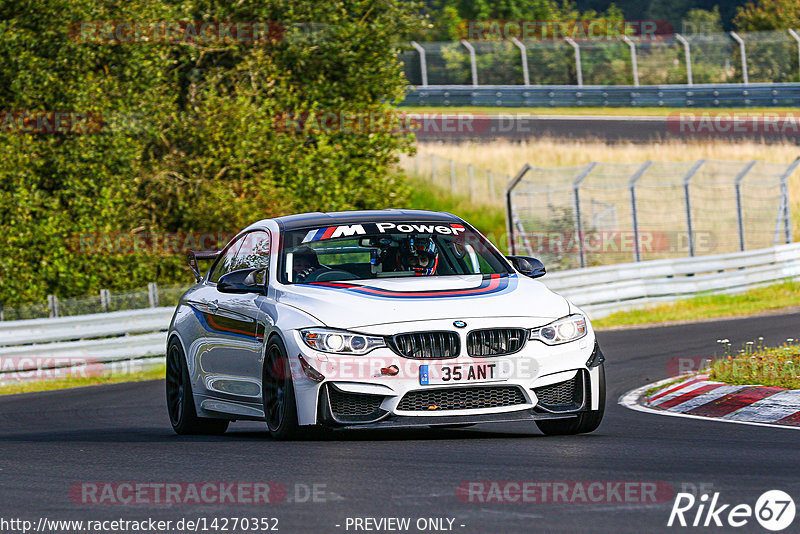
697 95
36 345
603 290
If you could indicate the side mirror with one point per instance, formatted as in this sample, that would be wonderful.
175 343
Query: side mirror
528 266
244 281
193 256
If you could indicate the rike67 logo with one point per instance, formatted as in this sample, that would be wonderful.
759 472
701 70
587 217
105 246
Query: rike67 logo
774 510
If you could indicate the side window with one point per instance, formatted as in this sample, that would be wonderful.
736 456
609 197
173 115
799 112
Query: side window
254 252
226 263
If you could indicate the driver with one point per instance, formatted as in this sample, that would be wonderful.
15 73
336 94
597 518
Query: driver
419 255
304 262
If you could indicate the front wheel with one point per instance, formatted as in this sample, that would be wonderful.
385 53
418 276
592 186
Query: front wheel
180 402
582 424
277 392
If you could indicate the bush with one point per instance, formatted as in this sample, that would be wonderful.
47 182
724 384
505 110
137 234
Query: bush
204 153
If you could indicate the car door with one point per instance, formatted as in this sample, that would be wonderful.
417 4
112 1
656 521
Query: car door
235 356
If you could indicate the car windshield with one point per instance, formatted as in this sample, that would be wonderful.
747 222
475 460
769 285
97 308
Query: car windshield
386 250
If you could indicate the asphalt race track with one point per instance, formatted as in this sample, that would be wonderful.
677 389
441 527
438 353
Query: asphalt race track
609 129
121 433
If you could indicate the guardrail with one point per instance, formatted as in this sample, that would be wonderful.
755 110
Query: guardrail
36 348
603 290
40 344
698 95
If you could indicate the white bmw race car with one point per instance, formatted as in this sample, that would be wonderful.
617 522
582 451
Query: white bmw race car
377 319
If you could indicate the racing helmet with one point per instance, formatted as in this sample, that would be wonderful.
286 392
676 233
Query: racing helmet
418 254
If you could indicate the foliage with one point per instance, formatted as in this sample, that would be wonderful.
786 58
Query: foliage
201 150
756 364
768 15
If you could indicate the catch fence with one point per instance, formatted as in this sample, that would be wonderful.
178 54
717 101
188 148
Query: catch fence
607 213
710 58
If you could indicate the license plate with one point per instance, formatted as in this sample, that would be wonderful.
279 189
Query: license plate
459 373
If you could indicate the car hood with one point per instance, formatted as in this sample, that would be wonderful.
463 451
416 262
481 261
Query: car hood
362 303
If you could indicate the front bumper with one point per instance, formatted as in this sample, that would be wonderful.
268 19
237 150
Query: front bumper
404 421
566 375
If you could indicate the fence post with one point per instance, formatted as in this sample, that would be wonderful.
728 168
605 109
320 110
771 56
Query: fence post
524 52
152 294
796 38
423 65
687 53
452 176
2 312
471 173
512 248
52 305
578 69
105 299
433 168
687 199
490 179
472 61
787 219
632 186
743 54
737 183
576 186
634 63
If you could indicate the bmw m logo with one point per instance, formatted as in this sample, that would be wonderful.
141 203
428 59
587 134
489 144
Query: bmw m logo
459 324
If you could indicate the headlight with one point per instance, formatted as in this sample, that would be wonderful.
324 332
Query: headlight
564 330
340 342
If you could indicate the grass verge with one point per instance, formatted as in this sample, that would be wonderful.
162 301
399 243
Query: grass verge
489 220
653 389
31 386
773 297
766 366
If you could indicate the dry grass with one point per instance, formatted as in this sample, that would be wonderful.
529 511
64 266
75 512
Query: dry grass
508 157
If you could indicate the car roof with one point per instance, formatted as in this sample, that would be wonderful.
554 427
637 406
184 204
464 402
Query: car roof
306 220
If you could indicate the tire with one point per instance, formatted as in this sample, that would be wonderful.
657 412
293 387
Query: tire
585 422
180 402
277 393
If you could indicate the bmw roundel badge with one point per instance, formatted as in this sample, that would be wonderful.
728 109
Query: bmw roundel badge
459 324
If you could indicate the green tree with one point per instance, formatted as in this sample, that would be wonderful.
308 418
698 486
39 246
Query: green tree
768 15
205 152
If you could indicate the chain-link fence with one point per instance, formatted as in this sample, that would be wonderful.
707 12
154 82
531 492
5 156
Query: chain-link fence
105 301
605 213
667 59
